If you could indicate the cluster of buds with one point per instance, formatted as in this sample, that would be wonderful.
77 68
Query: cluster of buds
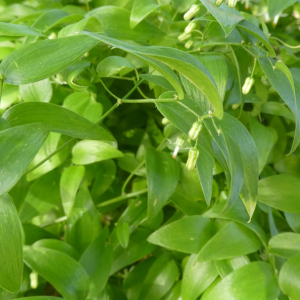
178 144
191 12
195 130
218 2
232 3
192 158
248 85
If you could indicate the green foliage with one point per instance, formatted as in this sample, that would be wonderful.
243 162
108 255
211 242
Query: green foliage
149 150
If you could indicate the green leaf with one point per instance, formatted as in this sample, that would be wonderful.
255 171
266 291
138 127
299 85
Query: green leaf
265 139
228 18
158 80
58 246
22 141
39 298
278 109
225 267
289 277
116 24
43 59
276 6
40 91
163 270
18 30
282 85
69 184
88 152
140 10
97 261
197 277
59 119
112 65
285 244
251 282
162 178
281 192
10 246
63 272
123 234
187 235
187 65
231 241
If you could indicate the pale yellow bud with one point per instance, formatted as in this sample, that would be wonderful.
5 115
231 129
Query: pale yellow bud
191 12
192 159
248 85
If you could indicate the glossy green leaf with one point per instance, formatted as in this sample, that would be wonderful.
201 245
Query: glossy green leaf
278 109
163 270
10 246
231 241
40 91
140 10
18 30
289 277
162 178
63 272
197 277
281 192
22 141
97 261
253 281
43 59
69 184
285 244
187 235
87 152
226 266
228 18
123 233
112 65
58 118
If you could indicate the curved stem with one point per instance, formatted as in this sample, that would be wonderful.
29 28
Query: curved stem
284 44
134 88
108 112
148 100
108 90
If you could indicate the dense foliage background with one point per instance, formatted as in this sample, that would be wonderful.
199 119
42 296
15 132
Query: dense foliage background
149 150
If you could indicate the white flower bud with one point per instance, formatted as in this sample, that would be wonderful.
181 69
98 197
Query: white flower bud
247 4
188 29
34 281
165 121
248 85
189 44
184 37
218 2
191 12
192 159
276 19
232 3
179 142
195 130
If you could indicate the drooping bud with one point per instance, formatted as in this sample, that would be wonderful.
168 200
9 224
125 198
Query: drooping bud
178 144
276 19
34 281
189 44
184 37
195 130
188 29
232 3
218 3
247 4
191 12
248 85
165 121
192 159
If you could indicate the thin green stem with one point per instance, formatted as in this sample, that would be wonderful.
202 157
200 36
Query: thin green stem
148 100
49 156
189 109
56 221
108 112
108 90
133 89
255 61
142 93
122 78
284 44
122 198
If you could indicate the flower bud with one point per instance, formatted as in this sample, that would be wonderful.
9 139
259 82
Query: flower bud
248 85
188 29
195 130
218 3
179 142
34 280
192 159
191 12
188 44
276 19
247 4
184 37
232 3
165 121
